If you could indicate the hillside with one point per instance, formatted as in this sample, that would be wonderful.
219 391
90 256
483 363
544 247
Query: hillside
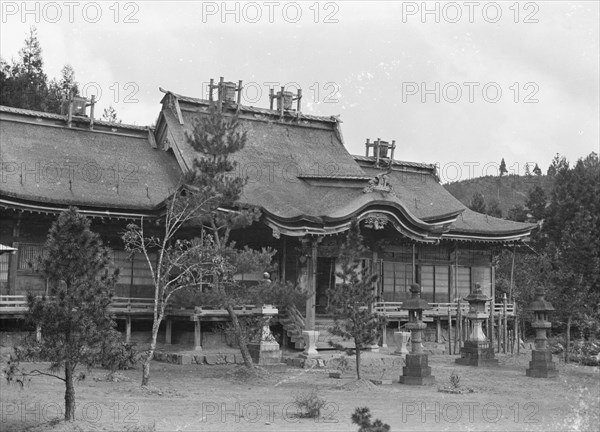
509 190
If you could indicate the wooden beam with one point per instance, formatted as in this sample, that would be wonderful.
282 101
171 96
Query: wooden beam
283 257
312 286
197 335
152 139
384 336
449 332
13 260
178 109
168 331
128 329
505 325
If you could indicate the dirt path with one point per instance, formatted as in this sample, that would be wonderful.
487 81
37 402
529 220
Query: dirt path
219 398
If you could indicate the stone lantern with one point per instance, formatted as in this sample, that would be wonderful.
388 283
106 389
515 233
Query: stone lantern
541 364
266 350
477 350
416 371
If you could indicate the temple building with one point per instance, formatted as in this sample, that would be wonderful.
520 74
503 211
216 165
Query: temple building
306 184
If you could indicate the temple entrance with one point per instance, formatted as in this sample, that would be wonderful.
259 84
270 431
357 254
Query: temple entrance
325 281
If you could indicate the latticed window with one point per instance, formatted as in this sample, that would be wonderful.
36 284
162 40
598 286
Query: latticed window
435 283
4 267
29 256
397 277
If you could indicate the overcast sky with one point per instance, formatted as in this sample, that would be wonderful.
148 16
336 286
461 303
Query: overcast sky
519 82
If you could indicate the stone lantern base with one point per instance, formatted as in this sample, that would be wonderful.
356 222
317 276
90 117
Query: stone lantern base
417 370
477 353
265 353
541 365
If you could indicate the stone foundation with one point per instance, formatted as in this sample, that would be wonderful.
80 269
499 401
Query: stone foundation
477 354
200 359
416 371
265 353
541 365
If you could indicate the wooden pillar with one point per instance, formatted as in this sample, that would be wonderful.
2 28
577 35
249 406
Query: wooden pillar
168 331
450 284
128 329
438 330
449 331
517 335
505 325
491 324
283 257
13 259
384 336
197 335
499 332
459 324
312 287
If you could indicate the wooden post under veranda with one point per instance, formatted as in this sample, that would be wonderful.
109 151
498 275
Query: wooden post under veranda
459 327
449 331
517 335
491 324
504 325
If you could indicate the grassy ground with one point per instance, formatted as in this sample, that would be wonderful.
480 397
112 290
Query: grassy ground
226 398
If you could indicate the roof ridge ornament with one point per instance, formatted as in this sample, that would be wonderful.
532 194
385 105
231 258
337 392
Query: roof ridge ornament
376 221
379 183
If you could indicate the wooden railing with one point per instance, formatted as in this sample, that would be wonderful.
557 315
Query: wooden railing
132 304
394 309
210 310
296 316
16 304
13 303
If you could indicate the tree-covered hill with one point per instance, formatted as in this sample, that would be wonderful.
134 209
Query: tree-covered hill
509 191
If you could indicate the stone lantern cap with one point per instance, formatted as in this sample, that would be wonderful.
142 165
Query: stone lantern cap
415 302
477 296
540 304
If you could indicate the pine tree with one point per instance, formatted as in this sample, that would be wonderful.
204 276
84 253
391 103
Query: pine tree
29 79
503 169
536 202
110 115
517 213
189 266
24 84
493 208
216 138
60 90
477 203
559 164
572 226
537 171
76 325
350 301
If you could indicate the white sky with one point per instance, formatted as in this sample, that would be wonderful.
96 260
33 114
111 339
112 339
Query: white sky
365 61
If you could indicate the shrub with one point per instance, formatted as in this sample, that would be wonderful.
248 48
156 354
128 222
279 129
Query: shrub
120 357
362 417
454 380
309 404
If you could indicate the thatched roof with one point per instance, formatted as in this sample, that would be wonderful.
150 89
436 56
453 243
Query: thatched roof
45 164
306 182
